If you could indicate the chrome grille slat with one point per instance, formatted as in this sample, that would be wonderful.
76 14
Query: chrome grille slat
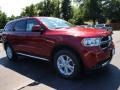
105 41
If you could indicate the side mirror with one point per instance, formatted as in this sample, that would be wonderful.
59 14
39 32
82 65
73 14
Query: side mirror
36 28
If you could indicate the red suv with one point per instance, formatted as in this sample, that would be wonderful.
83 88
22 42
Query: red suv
70 48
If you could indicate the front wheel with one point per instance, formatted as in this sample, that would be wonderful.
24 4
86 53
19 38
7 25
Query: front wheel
11 55
67 64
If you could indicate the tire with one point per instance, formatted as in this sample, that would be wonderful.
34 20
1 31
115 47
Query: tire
66 64
11 55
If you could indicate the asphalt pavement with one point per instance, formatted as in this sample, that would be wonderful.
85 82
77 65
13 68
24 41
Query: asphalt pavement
32 74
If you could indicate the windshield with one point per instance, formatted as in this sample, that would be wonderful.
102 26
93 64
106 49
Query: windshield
55 23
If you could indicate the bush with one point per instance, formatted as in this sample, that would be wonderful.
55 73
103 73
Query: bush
71 21
79 21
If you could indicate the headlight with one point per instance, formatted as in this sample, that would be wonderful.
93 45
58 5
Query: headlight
91 41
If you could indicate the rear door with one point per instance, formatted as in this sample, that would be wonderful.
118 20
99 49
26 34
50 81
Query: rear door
7 35
18 35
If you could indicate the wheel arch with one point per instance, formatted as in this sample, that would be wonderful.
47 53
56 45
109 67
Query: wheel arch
6 43
66 47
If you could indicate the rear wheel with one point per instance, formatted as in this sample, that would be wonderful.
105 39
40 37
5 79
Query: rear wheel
11 55
67 64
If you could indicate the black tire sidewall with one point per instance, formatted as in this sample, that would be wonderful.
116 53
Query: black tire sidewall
75 60
14 56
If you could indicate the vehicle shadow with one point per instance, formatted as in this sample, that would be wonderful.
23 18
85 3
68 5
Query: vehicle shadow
43 72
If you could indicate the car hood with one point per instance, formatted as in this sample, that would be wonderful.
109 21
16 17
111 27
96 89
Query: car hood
82 32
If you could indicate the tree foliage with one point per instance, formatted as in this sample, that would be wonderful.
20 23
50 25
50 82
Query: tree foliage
3 19
57 9
66 9
111 9
29 11
91 9
48 8
95 10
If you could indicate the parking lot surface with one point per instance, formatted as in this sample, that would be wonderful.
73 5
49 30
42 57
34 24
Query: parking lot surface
32 74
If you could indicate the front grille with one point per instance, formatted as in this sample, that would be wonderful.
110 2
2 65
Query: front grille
104 45
105 42
105 38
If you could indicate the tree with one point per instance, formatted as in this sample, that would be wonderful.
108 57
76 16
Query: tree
29 11
40 8
3 19
11 18
111 9
57 8
48 9
77 18
91 9
66 9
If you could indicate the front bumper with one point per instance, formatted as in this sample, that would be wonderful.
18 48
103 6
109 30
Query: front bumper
96 58
102 64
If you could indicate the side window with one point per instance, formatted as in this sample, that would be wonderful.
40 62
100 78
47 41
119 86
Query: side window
30 24
20 26
9 26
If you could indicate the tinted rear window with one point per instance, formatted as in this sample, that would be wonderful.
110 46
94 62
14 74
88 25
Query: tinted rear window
9 26
20 26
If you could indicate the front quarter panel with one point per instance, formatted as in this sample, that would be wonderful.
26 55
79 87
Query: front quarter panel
58 39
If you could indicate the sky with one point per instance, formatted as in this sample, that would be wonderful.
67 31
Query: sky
14 7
